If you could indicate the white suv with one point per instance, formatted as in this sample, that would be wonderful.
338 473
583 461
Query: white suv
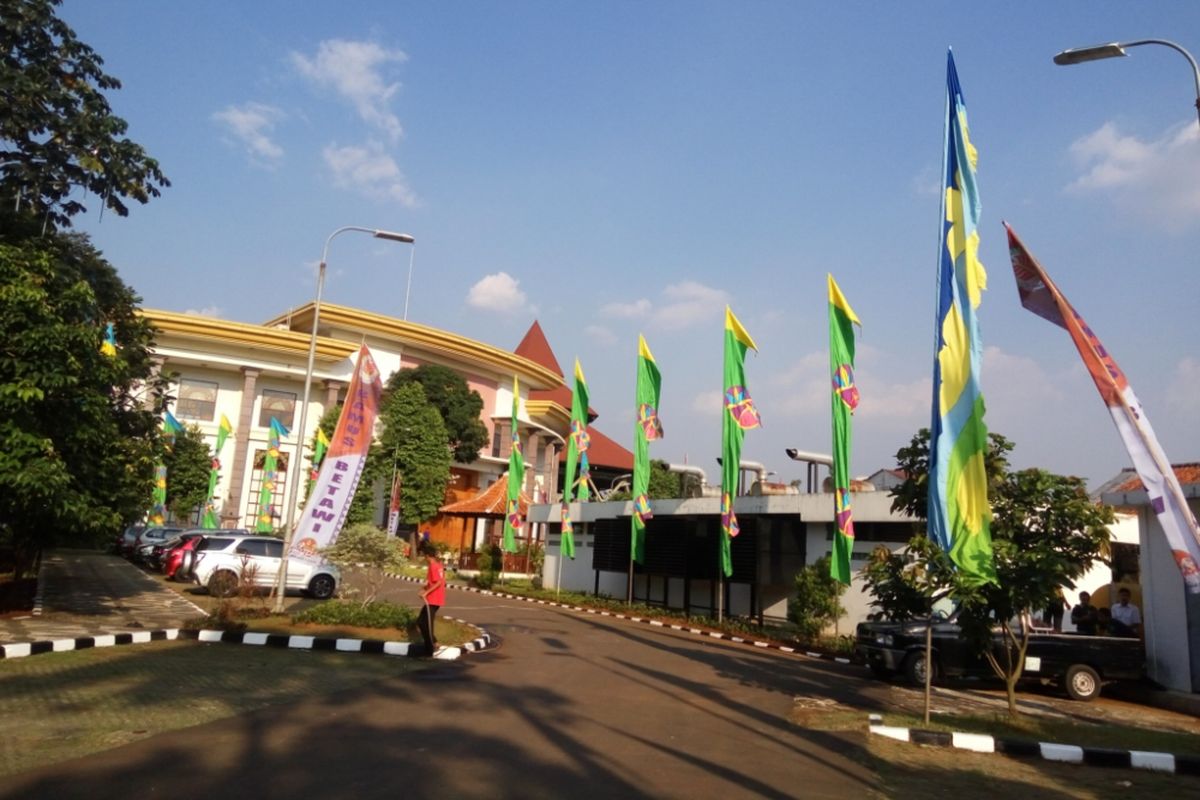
223 562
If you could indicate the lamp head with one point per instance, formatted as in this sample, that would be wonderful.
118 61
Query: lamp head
1078 55
395 237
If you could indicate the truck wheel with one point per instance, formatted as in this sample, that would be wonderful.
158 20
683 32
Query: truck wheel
321 587
1082 682
914 668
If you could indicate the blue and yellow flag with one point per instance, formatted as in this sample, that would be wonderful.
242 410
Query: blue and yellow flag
171 428
109 346
959 514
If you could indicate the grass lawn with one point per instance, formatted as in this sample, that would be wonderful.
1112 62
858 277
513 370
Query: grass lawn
65 705
909 770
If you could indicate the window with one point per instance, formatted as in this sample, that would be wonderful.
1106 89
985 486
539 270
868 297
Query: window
280 405
274 549
197 400
252 547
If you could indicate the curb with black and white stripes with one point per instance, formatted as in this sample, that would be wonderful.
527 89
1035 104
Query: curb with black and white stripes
280 640
727 637
1048 751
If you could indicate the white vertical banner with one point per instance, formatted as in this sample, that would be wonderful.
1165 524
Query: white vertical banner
329 502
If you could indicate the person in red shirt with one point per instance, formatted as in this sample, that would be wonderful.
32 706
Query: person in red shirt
433 593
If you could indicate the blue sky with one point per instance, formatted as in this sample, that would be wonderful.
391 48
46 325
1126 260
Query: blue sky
624 167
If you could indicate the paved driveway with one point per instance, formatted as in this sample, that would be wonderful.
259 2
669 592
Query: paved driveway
567 706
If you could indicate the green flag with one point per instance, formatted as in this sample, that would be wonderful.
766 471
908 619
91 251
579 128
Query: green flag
516 479
845 399
647 429
577 447
210 520
740 416
158 514
266 497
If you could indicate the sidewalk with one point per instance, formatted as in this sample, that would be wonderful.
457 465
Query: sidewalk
86 593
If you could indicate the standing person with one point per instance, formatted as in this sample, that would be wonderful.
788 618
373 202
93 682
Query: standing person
1084 616
1054 610
433 593
1127 619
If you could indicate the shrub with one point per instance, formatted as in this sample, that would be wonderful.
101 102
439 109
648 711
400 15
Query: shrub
380 614
815 605
372 550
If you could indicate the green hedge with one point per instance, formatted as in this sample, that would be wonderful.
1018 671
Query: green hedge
379 614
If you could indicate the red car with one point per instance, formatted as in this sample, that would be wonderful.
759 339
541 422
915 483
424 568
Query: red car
174 557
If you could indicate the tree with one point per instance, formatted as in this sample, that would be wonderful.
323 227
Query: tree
664 484
58 131
415 438
79 429
458 404
816 604
369 550
188 463
1045 533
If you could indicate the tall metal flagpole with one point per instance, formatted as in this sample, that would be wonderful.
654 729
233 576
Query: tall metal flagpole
280 588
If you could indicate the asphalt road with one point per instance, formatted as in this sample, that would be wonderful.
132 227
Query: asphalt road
567 705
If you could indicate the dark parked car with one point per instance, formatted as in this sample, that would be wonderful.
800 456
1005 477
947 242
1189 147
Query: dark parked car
1078 663
144 544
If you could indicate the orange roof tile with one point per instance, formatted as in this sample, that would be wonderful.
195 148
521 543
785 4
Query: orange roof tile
1184 473
491 502
535 347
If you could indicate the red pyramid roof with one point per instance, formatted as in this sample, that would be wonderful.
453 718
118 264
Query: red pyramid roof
604 452
535 347
491 502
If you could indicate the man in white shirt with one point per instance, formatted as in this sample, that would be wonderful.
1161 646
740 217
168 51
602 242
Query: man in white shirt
1126 617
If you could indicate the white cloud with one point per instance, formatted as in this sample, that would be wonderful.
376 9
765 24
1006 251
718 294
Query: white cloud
600 335
355 71
371 171
638 308
207 311
1183 396
250 125
927 182
709 404
688 303
500 292
1157 180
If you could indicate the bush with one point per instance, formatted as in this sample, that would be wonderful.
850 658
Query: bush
380 614
372 550
489 563
815 606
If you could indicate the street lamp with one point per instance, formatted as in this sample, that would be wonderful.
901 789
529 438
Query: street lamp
1078 55
294 476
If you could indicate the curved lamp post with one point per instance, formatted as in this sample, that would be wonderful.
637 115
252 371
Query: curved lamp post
294 474
1078 55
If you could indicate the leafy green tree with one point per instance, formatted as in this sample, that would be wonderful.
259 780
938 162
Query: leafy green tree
58 131
370 552
188 463
414 439
79 430
663 485
816 604
458 404
1046 532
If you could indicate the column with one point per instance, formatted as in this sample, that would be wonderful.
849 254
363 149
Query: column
231 510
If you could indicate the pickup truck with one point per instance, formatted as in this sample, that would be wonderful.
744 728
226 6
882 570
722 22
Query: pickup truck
1078 663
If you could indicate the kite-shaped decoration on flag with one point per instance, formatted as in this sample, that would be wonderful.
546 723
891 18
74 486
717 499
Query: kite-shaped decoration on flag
741 407
648 419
